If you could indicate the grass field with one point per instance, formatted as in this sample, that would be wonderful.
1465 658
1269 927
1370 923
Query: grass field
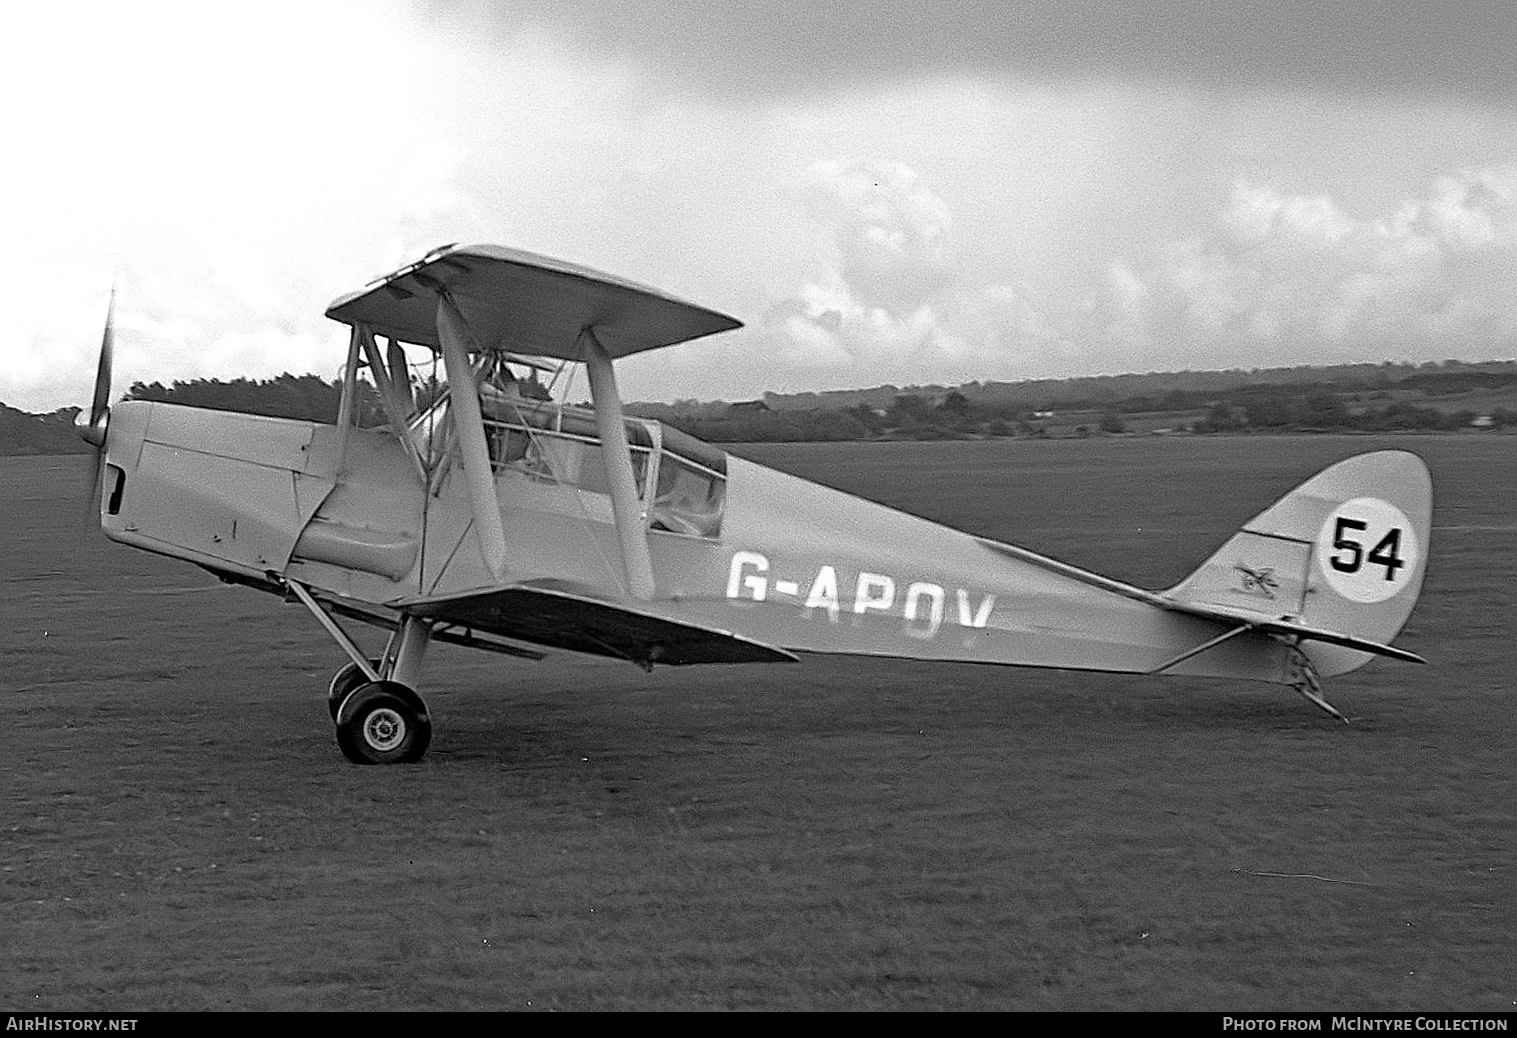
179 831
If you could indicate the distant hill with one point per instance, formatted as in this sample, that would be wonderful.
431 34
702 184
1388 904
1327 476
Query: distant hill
1104 390
52 433
1365 397
1369 397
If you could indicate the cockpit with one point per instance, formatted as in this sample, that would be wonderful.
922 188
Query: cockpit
535 441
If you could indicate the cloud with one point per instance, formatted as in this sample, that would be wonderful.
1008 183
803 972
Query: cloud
661 141
232 191
1277 279
891 232
1292 279
890 307
780 48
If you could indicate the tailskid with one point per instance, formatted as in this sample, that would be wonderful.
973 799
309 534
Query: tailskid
1301 675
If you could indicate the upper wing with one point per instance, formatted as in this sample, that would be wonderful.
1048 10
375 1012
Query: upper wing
546 613
519 301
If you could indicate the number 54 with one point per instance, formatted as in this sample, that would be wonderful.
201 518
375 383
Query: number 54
1350 556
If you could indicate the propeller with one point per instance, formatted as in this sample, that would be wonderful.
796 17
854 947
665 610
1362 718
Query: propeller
92 425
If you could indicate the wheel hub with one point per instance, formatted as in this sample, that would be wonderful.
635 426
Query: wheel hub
384 729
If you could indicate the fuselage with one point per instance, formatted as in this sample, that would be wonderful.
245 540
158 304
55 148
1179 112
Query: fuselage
360 517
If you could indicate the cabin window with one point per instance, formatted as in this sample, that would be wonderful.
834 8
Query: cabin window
552 443
558 445
689 498
571 461
561 445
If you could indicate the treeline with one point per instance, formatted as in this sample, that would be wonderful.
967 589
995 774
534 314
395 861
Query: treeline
1364 398
1156 390
1268 409
306 397
1262 409
51 433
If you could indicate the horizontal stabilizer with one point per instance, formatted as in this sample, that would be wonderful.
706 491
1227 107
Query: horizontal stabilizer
1290 628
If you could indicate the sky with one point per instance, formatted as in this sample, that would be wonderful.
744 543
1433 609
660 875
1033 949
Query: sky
883 192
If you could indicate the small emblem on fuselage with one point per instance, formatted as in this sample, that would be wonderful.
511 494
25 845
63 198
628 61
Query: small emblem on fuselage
1256 581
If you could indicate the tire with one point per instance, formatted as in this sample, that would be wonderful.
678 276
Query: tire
347 678
383 722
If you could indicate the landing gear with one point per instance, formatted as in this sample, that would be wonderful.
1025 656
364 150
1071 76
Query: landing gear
383 722
347 678
380 719
373 702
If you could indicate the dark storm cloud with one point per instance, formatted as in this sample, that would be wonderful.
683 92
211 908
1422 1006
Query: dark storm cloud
767 48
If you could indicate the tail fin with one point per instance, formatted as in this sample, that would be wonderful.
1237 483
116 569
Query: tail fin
1338 561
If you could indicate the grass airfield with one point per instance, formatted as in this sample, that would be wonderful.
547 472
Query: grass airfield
179 831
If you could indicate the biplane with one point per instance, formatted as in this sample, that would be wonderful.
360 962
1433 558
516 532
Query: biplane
484 513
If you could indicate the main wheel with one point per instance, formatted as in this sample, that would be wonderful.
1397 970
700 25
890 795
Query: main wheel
383 722
347 678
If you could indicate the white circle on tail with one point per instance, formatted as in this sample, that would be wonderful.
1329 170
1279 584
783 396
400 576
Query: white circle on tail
1368 550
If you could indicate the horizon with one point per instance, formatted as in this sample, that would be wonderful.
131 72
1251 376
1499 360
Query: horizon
904 389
